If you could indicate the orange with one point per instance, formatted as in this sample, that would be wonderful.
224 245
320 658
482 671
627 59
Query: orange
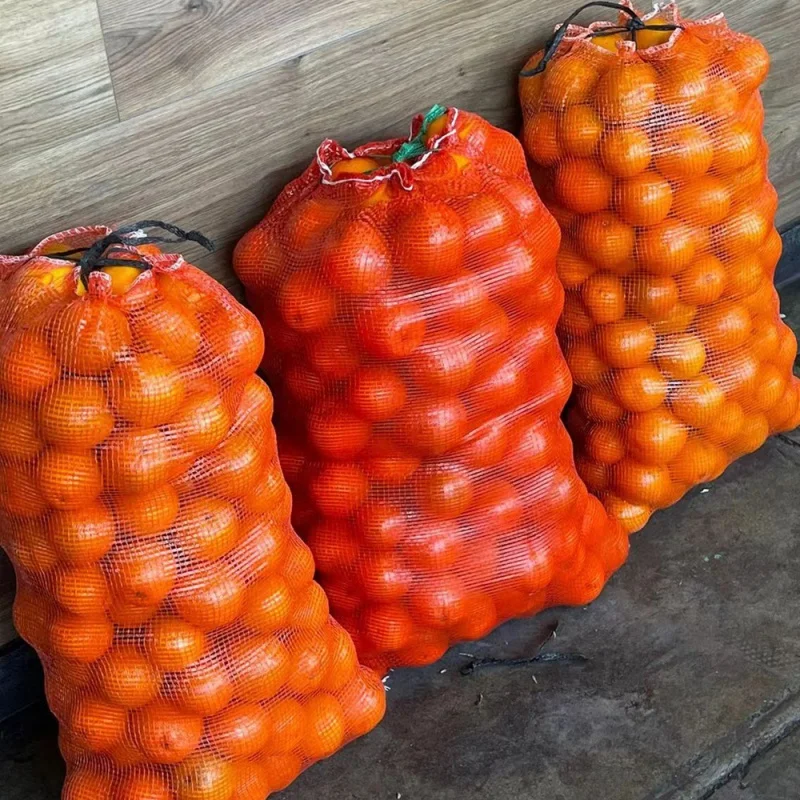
753 434
96 724
81 589
146 389
169 329
703 201
429 239
681 355
262 545
540 137
282 770
75 415
445 493
723 100
148 513
568 82
267 604
19 494
304 304
29 546
209 597
89 334
572 269
770 252
164 734
683 88
141 572
736 146
239 731
587 368
684 152
343 657
444 365
252 780
286 722
582 186
80 638
764 338
355 258
203 777
332 354
32 615
68 480
363 701
206 528
604 297
609 41
172 644
626 93
769 388
126 677
665 248
353 166
703 281
747 183
27 365
334 545
310 661
627 343
144 785
203 687
625 152
270 494
579 132
698 462
86 782
724 326
726 425
575 320
336 433
339 489
325 726
747 62
640 388
604 444
235 342
137 459
311 608
644 199
377 393
130 615
121 277
600 406
677 320
604 239
645 38
642 484
736 373
530 87
697 401
653 296
594 475
632 516
260 667
19 433
743 231
234 467
82 535
745 275
655 437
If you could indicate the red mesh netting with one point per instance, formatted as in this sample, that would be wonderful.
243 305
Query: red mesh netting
187 651
410 310
648 149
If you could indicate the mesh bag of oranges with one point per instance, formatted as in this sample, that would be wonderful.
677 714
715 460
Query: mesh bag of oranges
188 653
409 297
645 139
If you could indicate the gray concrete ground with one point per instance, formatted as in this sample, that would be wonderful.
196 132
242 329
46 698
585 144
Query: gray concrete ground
691 689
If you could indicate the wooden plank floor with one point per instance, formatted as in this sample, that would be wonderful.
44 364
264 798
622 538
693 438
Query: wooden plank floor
199 111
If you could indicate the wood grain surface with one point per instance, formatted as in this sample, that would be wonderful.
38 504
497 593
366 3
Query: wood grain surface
203 109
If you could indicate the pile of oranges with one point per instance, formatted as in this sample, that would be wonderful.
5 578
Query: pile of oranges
650 155
410 311
188 653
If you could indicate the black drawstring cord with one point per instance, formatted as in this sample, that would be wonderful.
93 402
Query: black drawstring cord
635 23
92 258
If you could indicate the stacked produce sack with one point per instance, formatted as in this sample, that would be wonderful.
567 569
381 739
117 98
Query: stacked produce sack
409 297
188 653
645 139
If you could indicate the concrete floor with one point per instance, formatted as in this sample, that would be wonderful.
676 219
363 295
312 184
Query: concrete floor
691 689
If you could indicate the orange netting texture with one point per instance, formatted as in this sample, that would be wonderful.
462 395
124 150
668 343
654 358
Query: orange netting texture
648 149
188 653
409 297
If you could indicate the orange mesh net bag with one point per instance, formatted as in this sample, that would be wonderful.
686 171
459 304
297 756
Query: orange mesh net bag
187 651
645 140
409 297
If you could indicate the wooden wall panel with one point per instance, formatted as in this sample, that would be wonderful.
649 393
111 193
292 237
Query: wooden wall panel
54 78
220 102
163 52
